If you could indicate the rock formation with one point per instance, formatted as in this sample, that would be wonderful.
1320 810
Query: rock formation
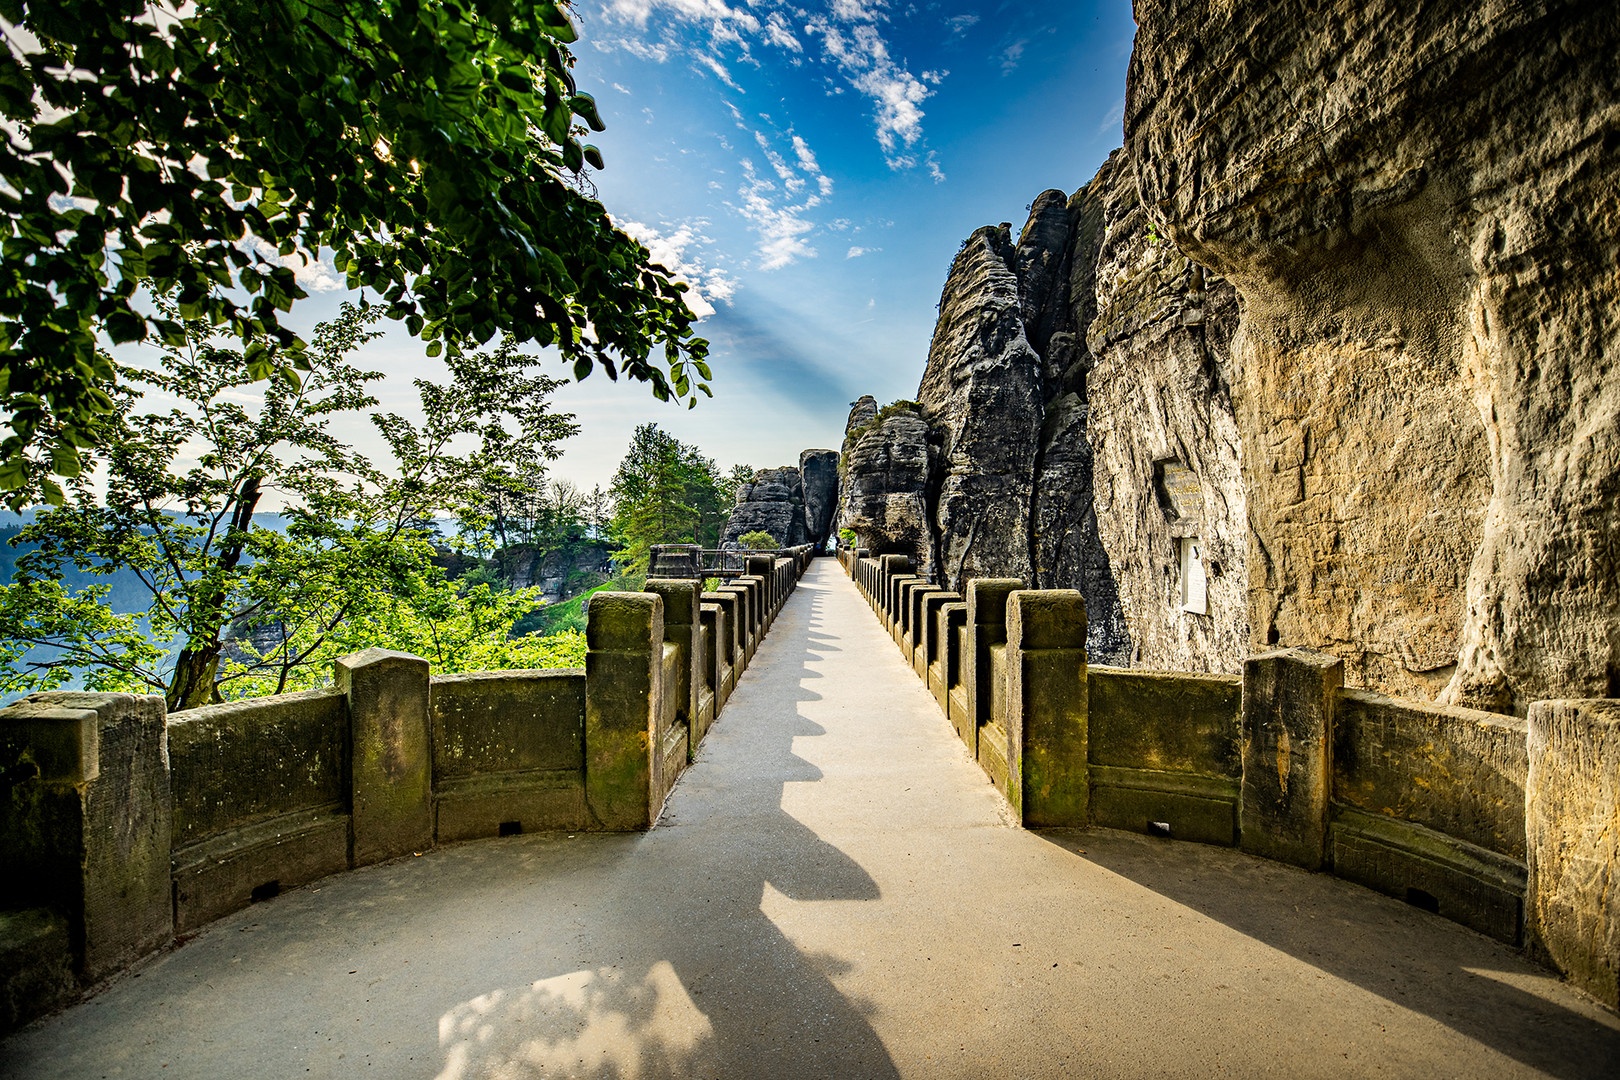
1165 474
1338 323
887 463
773 503
1085 295
1420 208
1343 318
818 472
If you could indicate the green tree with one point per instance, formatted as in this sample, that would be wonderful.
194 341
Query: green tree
181 489
201 149
649 498
665 492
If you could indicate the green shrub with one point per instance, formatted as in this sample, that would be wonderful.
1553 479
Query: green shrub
758 540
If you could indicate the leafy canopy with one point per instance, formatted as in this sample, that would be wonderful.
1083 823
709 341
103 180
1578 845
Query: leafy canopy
353 564
203 149
665 492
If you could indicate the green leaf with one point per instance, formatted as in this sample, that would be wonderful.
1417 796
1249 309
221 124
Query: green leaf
584 107
65 461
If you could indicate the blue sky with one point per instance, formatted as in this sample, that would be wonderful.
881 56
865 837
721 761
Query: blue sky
811 168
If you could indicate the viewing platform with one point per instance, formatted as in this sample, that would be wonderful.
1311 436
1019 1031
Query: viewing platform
833 888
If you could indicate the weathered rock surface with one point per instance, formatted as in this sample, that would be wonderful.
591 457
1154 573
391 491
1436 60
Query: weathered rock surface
883 494
1344 311
1166 468
818 470
773 503
1420 209
983 386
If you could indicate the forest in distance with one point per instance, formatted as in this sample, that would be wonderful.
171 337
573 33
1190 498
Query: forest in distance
163 577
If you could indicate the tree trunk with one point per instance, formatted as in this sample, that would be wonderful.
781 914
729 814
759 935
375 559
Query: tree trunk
194 671
193 682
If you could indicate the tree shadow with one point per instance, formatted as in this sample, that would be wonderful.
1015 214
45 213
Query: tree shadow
1419 961
706 984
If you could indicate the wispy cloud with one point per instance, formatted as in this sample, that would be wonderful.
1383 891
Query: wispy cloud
861 54
677 247
961 24
857 252
705 61
1012 54
780 34
852 45
781 229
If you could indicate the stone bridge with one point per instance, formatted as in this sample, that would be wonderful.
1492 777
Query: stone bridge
839 882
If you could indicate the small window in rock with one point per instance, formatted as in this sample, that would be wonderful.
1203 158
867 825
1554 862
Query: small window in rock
1194 582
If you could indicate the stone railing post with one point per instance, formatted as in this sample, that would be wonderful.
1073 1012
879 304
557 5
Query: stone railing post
762 567
891 602
758 616
889 567
926 649
742 624
1046 708
986 626
390 753
1289 696
945 666
725 649
682 628
1572 841
717 648
902 612
624 644
87 827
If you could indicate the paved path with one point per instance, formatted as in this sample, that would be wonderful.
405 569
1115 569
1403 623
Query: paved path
833 891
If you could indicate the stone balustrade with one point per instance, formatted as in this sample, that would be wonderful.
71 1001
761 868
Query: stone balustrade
1502 824
122 827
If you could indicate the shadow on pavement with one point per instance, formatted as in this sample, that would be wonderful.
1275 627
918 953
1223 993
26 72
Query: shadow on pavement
1419 961
706 984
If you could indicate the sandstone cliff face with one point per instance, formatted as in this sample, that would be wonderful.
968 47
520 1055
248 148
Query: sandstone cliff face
1166 472
818 469
1419 207
883 494
773 503
1070 373
983 387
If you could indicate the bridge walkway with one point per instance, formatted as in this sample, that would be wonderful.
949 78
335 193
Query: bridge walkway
834 890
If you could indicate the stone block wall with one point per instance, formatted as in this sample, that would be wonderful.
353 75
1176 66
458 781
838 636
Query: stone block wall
1506 826
125 827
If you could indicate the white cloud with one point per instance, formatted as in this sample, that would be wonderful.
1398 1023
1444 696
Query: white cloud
315 275
620 89
676 248
778 163
719 69
851 41
862 55
857 252
781 229
780 34
857 10
1011 55
960 24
